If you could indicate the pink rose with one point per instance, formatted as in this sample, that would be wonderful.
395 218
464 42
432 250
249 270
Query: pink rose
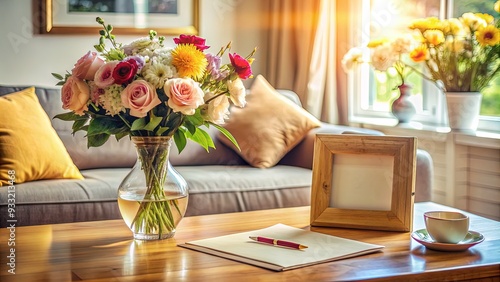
241 66
185 95
140 97
75 95
192 39
104 75
86 66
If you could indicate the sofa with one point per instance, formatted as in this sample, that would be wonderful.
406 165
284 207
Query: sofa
220 181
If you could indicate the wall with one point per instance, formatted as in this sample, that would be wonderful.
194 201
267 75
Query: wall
28 59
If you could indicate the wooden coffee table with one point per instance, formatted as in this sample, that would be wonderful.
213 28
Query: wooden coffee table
104 251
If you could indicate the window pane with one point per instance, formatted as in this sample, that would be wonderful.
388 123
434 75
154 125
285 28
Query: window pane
390 19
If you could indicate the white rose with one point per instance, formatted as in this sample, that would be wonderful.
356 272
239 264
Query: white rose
217 109
383 57
402 45
237 92
354 55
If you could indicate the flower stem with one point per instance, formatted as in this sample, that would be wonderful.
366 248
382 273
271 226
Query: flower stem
155 215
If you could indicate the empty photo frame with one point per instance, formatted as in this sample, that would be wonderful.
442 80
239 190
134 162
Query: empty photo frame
363 182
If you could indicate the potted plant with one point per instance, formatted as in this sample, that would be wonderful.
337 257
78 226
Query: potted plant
462 55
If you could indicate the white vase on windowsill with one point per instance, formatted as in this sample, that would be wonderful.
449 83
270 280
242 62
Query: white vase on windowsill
463 110
402 108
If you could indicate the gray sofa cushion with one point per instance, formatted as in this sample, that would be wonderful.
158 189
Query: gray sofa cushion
221 189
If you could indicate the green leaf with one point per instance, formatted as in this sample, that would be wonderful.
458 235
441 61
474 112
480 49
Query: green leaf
103 125
196 119
78 124
138 124
119 130
97 140
98 48
203 138
70 116
190 127
180 140
58 76
120 135
226 133
153 123
161 130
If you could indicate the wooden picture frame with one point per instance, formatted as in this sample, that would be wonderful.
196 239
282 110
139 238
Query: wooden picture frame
398 152
53 17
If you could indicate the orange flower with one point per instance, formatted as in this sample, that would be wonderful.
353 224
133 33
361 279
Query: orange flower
419 54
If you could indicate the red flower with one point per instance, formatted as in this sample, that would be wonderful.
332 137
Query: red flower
241 66
124 72
198 42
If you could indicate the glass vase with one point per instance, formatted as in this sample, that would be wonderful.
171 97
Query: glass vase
153 197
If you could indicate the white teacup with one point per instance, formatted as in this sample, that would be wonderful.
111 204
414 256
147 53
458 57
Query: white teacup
446 226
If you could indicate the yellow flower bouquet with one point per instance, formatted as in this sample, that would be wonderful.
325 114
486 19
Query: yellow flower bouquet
462 54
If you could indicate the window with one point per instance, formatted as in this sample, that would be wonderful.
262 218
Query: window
373 92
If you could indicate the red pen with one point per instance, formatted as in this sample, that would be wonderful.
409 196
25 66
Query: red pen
276 242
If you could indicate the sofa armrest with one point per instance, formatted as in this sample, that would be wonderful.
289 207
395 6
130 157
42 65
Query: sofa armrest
302 154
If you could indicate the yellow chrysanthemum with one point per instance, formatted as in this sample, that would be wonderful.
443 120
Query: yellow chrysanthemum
490 35
419 54
427 23
489 19
377 42
189 61
473 21
454 26
434 37
497 6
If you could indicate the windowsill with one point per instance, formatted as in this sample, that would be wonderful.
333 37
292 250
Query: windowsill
484 139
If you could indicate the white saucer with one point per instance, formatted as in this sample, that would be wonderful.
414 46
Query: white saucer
472 238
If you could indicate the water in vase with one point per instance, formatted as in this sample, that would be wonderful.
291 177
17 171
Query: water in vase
175 206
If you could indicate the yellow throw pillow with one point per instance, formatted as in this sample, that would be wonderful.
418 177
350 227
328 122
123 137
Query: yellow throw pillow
269 125
30 148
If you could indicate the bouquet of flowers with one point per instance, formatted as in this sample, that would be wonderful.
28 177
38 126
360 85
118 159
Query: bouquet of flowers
463 53
147 89
384 55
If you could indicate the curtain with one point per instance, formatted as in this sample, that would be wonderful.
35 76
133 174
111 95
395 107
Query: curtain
303 55
292 26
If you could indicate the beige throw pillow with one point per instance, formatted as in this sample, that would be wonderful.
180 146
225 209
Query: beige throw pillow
268 127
